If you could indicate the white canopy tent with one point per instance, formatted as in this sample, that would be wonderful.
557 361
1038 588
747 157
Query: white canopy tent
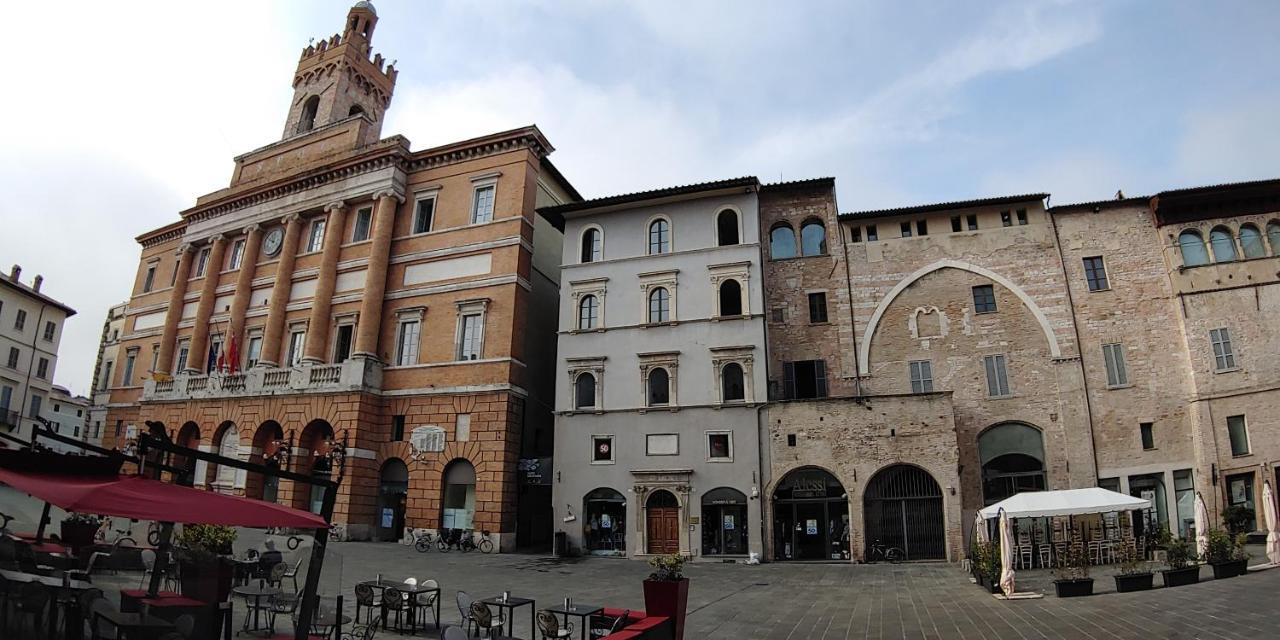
1065 502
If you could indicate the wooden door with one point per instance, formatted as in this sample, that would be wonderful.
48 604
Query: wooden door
664 529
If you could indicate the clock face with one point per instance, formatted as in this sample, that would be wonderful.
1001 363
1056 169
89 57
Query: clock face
271 243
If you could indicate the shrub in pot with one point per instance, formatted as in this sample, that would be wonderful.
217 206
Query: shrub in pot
79 529
1238 519
1072 574
203 556
666 591
1134 574
1180 557
1226 554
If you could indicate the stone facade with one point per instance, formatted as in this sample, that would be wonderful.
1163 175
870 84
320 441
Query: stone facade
31 326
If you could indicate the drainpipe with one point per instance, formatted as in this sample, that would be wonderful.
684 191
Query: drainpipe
853 318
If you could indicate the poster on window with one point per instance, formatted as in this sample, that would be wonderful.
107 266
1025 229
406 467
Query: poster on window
606 521
1237 492
388 518
728 522
811 527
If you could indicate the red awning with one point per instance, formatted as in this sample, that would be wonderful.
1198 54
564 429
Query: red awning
141 498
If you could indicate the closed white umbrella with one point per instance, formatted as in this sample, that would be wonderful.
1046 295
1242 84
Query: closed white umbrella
979 528
1202 527
1269 510
1006 555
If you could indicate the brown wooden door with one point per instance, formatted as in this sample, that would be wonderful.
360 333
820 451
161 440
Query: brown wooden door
664 529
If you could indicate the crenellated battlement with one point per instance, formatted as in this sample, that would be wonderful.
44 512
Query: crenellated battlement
315 53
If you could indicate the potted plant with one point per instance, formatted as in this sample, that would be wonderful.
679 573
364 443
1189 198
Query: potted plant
203 552
1226 554
1181 559
991 566
79 529
1135 574
666 591
1072 574
1238 519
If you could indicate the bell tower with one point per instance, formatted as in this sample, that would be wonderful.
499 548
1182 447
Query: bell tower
341 78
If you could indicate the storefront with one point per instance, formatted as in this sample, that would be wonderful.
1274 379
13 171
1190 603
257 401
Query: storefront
810 517
724 522
604 530
459 496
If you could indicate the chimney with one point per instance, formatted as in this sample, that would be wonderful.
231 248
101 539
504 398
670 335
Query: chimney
35 285
13 275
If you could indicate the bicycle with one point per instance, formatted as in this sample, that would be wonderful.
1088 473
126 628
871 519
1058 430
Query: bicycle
153 534
423 542
878 551
4 526
293 540
108 525
456 539
486 545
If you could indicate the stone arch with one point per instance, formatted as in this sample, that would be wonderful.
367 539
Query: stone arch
311 458
904 506
262 451
226 442
864 351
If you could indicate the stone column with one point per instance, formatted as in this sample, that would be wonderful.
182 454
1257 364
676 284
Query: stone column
200 335
375 286
244 284
280 292
318 327
168 339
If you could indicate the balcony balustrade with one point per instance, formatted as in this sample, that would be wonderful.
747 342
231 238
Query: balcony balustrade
352 375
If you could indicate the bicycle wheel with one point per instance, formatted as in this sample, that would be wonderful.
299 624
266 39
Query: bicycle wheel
443 546
895 555
422 545
293 542
153 537
486 546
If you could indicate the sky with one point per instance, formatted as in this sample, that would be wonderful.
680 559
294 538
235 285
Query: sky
120 114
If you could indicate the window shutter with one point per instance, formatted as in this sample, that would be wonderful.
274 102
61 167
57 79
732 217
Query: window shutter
820 377
788 380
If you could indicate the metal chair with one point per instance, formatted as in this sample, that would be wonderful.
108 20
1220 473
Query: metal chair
31 599
454 633
276 576
285 603
464 609
427 601
551 628
394 600
362 632
484 619
292 574
365 600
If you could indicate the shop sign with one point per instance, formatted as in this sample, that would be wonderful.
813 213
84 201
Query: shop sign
811 527
535 471
809 486
606 521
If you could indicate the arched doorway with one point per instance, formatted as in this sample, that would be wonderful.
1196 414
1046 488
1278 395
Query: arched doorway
227 442
265 445
604 530
662 519
189 437
902 507
458 507
314 458
724 522
810 517
393 486
1012 457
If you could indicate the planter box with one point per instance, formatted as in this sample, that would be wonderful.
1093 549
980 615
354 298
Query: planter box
1134 582
668 598
988 585
207 582
1180 577
1073 588
78 535
1229 569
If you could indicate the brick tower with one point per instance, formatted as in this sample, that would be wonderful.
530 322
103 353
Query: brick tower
337 79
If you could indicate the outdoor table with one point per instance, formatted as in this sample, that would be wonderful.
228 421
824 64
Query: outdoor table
134 626
413 591
257 593
73 586
326 624
584 611
244 568
508 607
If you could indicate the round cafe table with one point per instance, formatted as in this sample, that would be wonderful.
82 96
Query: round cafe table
256 593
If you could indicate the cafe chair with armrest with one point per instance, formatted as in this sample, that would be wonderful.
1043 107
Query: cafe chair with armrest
283 604
292 573
484 619
276 575
454 633
464 610
96 559
97 629
362 632
427 601
551 628
395 601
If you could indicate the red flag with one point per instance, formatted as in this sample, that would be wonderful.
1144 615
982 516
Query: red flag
233 357
221 358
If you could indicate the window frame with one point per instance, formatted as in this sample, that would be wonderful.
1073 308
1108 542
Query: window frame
984 305
774 243
737 226
420 199
296 347
236 258
920 375
130 363
706 438
1116 365
408 347
367 214
149 278
202 262
575 400
1244 433
823 249
50 331
479 187
821 296
648 444
998 364
971 221
478 309
597 248
905 229
42 368
315 235
663 305
720 298
872 234
591 321
15 354
1095 273
1224 353
649 400
1022 217
608 438
1147 436
665 239
1006 218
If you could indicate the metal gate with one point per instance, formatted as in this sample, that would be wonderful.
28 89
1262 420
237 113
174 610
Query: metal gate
902 508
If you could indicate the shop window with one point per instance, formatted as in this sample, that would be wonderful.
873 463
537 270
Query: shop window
601 449
1240 491
724 522
604 522
459 503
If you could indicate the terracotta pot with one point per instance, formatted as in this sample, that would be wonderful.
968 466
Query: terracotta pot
668 598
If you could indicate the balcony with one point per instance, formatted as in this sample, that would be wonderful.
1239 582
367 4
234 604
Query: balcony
353 375
10 420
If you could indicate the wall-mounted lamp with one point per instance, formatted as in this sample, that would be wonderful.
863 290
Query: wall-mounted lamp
951 490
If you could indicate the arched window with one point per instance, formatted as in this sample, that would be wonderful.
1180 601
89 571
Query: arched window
727 227
659 237
1251 242
590 245
813 238
732 387
1223 244
730 298
308 120
1273 236
659 305
1012 457
584 391
458 504
659 387
355 110
229 447
588 312
1193 251
782 241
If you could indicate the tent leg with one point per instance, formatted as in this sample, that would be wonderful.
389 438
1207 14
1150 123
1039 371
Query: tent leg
44 520
161 567
306 613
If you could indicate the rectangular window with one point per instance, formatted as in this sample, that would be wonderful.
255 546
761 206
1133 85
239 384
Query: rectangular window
472 334
315 241
1239 432
1006 220
150 280
397 428
462 427
20 320
984 299
237 255
36 401
1095 273
720 446
13 357
183 352
922 227
424 215
921 376
297 342
254 352
997 378
1224 355
906 229
972 220
855 234
202 262
1145 430
215 350
342 343
364 221
817 307
1117 372
407 343
105 383
662 444
482 205
6 397
174 278
791 439
871 233
601 449
956 226
804 379
49 330
1022 216
42 369
128 368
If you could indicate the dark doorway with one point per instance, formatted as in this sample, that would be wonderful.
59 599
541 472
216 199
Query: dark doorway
662 514
903 508
810 517
724 522
393 487
342 344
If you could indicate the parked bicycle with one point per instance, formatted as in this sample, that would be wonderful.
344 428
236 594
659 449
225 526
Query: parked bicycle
108 526
424 541
153 534
879 551
464 541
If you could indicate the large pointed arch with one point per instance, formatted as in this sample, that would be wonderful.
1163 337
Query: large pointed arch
864 351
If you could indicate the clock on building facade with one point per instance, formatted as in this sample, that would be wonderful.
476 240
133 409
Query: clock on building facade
271 243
